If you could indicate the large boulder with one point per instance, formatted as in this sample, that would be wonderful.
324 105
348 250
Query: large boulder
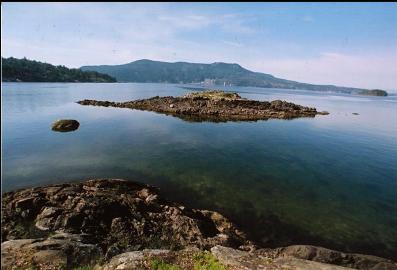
65 125
258 260
59 251
302 257
324 255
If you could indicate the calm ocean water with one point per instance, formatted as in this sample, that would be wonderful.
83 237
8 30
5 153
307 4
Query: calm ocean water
329 180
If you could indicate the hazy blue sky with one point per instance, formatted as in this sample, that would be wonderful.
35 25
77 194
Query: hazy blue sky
350 44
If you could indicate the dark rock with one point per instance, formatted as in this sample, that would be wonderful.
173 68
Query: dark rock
24 203
65 125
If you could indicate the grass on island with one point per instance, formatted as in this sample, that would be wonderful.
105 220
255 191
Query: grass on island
201 261
161 265
207 261
86 267
214 94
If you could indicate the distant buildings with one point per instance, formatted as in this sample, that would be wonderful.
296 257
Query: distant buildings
215 82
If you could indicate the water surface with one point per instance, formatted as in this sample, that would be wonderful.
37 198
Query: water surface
329 180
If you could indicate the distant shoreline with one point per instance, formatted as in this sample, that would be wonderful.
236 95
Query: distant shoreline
148 71
206 87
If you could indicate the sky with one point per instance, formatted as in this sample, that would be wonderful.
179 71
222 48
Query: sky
346 44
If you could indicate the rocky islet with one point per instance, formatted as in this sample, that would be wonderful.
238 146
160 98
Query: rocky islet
215 106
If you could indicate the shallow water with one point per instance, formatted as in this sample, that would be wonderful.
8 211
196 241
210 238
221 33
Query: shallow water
329 180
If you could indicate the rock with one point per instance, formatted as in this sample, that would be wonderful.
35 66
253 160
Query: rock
143 260
65 125
45 257
233 259
49 253
46 218
323 113
127 224
236 259
297 264
324 255
215 106
128 260
117 215
24 203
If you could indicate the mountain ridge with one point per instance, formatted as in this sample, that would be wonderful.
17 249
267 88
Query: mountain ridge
217 73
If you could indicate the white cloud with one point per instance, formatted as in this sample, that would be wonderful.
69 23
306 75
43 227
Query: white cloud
308 18
234 44
366 71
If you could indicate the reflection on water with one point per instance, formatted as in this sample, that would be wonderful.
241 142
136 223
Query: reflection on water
329 180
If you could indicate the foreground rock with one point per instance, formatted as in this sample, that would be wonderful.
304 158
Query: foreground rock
216 106
324 255
117 224
65 251
218 258
59 251
265 259
65 125
116 215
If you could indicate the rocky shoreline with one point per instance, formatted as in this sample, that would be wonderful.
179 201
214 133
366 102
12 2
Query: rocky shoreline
215 106
118 224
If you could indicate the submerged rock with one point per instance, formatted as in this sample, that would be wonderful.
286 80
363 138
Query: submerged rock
214 106
65 125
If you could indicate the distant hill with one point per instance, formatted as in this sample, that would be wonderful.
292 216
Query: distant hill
215 73
24 70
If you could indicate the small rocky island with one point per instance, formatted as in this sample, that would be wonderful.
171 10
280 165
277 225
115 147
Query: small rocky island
215 106
373 92
114 224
